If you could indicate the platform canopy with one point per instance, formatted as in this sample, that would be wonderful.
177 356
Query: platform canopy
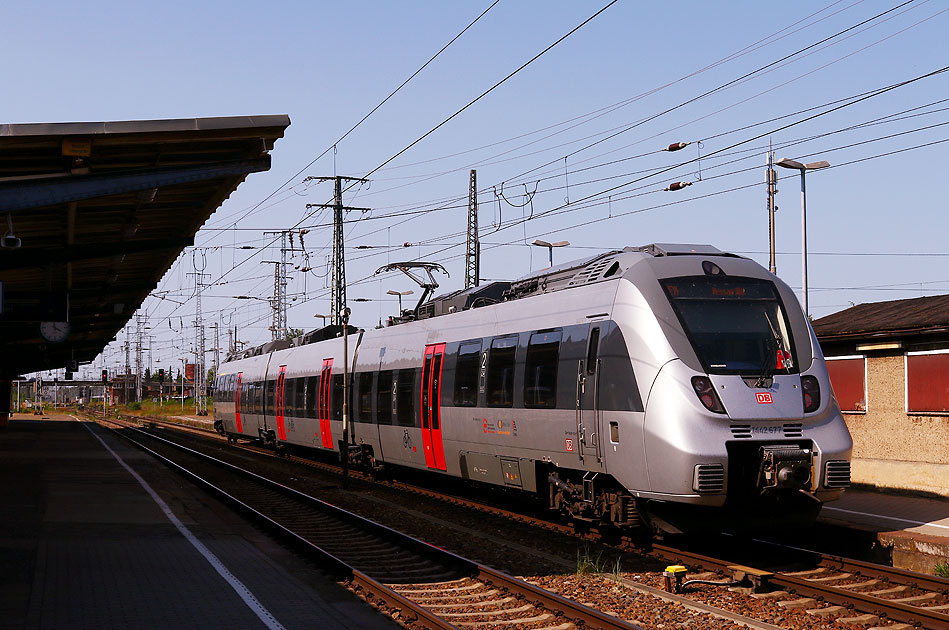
94 214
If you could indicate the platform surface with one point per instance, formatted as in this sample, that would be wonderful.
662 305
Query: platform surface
83 544
884 511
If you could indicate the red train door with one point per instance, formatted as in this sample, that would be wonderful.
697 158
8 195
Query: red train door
237 402
323 412
431 406
281 383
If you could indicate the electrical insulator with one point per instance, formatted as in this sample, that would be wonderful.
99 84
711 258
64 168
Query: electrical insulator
678 185
675 146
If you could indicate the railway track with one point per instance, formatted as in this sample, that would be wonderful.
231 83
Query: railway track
431 587
856 591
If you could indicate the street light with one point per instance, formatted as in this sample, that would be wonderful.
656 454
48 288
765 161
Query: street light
400 294
803 168
344 447
550 247
323 317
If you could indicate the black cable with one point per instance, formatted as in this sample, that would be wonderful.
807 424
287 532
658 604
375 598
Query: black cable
626 184
720 87
496 85
372 111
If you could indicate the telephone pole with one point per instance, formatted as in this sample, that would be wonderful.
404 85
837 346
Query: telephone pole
473 249
338 286
771 179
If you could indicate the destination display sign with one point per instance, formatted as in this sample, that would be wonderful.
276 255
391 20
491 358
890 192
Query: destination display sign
719 289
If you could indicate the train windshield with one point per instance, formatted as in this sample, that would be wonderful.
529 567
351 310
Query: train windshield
736 325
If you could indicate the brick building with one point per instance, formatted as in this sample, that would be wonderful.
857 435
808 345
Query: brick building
889 365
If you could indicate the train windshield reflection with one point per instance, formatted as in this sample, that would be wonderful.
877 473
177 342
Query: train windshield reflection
736 325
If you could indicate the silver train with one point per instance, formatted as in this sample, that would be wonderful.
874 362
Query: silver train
663 387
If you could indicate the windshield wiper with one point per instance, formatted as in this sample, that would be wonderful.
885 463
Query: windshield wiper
766 370
779 340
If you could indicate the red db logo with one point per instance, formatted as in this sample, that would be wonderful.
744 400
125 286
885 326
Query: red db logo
569 444
764 398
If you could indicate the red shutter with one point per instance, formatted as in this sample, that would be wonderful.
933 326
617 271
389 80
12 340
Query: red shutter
927 382
848 378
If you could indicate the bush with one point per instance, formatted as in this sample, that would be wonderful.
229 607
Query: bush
135 406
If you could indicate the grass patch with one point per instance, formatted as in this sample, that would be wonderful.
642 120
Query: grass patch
587 562
942 569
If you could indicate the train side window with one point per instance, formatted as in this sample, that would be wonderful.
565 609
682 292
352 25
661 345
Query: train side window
592 350
384 398
299 397
269 393
311 396
466 374
405 398
364 397
289 391
540 375
336 400
500 387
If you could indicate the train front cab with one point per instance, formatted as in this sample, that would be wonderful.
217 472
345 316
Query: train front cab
741 427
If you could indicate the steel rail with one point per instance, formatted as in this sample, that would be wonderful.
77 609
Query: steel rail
590 617
865 603
897 611
334 566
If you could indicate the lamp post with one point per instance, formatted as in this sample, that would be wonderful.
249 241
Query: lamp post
803 168
321 316
400 294
344 446
550 248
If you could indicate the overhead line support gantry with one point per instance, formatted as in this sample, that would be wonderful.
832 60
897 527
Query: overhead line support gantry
338 286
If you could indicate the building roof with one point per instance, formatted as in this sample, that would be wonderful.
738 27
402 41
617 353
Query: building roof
96 213
887 319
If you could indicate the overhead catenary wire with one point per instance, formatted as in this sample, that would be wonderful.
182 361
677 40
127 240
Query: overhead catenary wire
806 48
517 241
374 109
465 107
594 203
571 183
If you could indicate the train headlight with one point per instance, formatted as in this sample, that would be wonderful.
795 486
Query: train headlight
706 393
810 389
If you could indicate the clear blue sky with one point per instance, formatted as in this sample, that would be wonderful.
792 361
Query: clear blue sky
876 228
